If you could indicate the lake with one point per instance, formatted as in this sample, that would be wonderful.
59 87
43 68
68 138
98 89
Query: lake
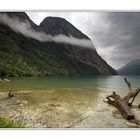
67 102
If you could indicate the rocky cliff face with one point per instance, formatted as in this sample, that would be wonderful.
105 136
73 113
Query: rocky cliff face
22 56
57 25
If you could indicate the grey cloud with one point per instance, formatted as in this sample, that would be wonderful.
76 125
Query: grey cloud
25 29
121 33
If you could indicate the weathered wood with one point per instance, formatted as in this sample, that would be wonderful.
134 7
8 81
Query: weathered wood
122 104
10 94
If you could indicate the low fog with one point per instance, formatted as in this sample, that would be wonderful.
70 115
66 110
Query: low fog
25 29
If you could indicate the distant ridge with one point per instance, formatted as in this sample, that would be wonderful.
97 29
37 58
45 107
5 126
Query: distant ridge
131 68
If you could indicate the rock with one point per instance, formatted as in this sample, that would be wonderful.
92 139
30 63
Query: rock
21 105
25 102
103 110
77 102
54 105
89 108
1 93
18 102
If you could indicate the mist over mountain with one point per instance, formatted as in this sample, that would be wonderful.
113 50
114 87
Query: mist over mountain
131 68
57 25
22 24
55 47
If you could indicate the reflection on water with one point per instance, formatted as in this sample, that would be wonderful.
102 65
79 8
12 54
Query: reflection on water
77 95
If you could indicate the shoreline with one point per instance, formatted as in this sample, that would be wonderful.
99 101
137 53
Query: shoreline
54 103
59 115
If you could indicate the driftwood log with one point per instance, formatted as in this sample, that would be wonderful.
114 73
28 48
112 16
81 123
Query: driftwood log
124 104
10 94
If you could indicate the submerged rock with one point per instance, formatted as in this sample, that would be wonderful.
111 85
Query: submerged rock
25 102
18 102
54 105
2 93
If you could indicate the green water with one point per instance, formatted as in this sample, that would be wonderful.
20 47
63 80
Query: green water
83 94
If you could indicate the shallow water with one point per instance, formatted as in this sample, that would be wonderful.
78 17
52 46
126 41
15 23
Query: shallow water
82 97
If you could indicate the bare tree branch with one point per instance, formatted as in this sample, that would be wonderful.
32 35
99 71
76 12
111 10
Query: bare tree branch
122 104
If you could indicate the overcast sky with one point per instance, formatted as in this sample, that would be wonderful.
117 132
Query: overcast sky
116 36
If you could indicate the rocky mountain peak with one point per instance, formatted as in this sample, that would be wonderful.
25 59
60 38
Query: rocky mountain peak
22 16
57 25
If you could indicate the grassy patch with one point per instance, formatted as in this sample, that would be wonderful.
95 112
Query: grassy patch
6 122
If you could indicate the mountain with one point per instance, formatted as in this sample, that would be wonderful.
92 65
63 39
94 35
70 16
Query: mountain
57 25
131 68
23 53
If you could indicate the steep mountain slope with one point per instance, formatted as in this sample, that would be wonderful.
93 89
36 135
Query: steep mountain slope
132 68
25 56
57 25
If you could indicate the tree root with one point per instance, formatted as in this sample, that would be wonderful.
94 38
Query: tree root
123 104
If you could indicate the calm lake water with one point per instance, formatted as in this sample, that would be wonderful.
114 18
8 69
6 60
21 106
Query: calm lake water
84 95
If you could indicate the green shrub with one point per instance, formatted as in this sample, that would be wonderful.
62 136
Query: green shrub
6 122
